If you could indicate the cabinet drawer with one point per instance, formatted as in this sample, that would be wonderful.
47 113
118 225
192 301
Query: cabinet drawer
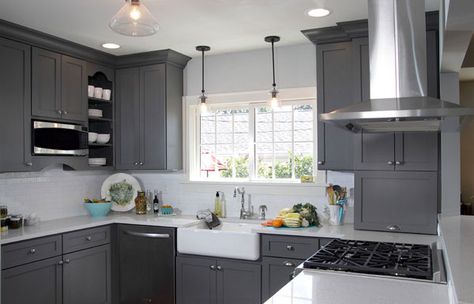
87 238
29 251
289 246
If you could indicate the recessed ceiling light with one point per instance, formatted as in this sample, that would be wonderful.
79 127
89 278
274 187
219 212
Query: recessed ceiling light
318 12
110 46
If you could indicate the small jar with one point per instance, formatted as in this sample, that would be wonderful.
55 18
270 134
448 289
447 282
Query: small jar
16 221
4 224
3 211
140 203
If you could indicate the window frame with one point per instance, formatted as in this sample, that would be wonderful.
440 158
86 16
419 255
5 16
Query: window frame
253 100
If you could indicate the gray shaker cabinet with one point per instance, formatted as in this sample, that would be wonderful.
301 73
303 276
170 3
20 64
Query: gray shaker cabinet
276 273
87 276
46 83
146 264
196 280
334 90
149 118
238 282
73 89
127 118
38 282
15 100
396 201
59 86
217 281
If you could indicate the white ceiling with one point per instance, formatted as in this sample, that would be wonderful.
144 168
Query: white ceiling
225 25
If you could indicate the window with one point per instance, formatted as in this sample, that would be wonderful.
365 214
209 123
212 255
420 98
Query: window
253 142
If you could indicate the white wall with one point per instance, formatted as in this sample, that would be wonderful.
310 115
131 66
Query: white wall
251 70
54 193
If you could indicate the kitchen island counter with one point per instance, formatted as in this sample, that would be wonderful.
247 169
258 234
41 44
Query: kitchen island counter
327 287
457 234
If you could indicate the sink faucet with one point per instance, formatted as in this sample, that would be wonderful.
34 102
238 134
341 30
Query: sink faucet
244 214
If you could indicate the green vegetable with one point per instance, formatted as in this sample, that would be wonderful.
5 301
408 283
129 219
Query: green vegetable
308 212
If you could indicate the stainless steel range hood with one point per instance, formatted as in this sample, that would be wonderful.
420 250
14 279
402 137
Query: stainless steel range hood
398 81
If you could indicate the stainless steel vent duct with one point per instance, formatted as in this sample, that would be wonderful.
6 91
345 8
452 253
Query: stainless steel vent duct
398 80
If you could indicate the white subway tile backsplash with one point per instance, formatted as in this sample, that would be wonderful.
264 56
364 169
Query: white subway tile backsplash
54 193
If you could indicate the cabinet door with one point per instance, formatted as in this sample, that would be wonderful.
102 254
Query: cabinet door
15 102
374 151
416 151
87 276
128 118
73 89
146 265
153 114
38 282
335 90
396 201
238 282
46 83
195 280
276 273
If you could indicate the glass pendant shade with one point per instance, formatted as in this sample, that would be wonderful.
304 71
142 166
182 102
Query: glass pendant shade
134 19
274 102
203 108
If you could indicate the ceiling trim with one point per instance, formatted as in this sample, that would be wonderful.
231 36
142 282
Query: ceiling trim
346 31
42 40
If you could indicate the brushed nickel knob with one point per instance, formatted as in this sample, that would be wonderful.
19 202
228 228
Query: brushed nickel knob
59 112
29 164
33 250
219 268
390 163
290 248
89 238
65 112
61 262
288 264
398 163
321 162
213 267
67 261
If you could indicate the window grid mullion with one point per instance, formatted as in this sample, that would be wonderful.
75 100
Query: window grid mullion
292 156
233 146
252 143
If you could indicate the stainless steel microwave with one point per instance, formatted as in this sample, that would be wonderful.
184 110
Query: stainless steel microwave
52 138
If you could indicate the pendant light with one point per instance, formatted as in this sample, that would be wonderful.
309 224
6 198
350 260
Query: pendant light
203 98
274 101
134 19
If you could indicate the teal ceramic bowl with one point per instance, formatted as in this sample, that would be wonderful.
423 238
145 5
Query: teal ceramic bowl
98 209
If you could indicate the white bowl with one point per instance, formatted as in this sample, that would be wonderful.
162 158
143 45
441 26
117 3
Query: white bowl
103 138
92 137
95 112
100 161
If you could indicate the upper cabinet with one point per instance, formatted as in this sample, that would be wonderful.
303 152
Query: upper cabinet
59 86
149 117
15 99
343 78
334 90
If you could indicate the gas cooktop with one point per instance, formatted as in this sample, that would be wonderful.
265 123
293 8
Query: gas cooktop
392 259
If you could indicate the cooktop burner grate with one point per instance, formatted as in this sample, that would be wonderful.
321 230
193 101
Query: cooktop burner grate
395 259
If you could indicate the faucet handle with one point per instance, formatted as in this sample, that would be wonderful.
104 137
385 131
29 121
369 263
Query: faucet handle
262 207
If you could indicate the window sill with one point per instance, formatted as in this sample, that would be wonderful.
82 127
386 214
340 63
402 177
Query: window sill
256 183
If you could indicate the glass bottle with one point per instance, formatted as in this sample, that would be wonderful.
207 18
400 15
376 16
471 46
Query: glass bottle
140 203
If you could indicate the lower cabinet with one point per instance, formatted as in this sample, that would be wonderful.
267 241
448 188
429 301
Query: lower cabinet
37 271
276 273
87 276
146 264
39 282
217 281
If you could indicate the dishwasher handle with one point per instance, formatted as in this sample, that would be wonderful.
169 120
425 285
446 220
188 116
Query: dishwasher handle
147 235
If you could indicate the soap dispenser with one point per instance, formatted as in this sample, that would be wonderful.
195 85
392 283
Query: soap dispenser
218 205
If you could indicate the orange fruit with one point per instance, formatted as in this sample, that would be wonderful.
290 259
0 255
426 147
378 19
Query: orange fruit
277 223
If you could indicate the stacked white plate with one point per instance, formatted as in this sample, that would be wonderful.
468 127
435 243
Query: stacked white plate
99 161
95 113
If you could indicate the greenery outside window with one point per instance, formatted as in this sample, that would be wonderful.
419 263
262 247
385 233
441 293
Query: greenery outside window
253 142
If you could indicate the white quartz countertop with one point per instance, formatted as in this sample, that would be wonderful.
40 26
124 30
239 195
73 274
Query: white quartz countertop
82 222
326 287
348 232
458 236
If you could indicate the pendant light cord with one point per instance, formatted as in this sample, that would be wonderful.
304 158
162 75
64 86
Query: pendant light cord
273 63
202 78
